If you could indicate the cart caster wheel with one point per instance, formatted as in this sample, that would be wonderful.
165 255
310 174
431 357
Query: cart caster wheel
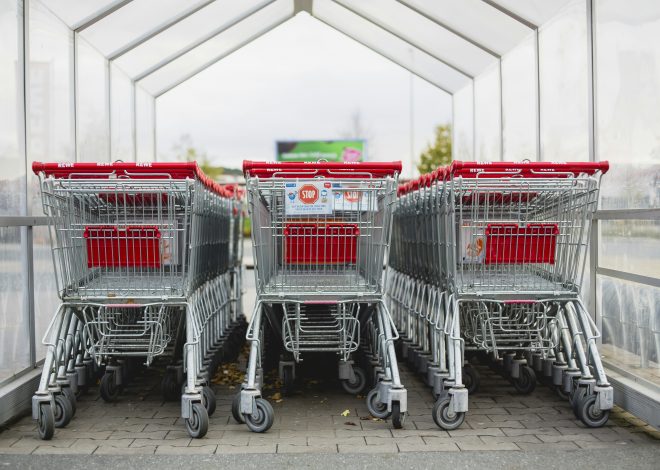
589 414
170 388
198 424
262 420
471 379
82 390
46 422
526 381
398 418
208 399
63 411
376 409
575 398
445 418
236 408
357 385
287 380
71 396
560 392
109 390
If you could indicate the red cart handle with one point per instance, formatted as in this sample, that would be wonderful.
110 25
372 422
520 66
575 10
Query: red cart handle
525 169
326 169
155 170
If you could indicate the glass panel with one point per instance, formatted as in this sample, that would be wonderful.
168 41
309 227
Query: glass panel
121 116
628 102
536 11
45 290
14 330
145 122
389 45
463 136
132 21
219 46
631 327
12 181
194 28
424 34
564 85
487 105
475 19
93 130
519 102
75 11
51 136
630 245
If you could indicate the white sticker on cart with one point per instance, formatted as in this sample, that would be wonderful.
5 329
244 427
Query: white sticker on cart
354 197
473 245
310 198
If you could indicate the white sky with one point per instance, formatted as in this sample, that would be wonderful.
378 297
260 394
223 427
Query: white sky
302 80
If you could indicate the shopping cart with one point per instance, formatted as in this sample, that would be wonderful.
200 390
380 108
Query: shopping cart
144 260
511 242
320 233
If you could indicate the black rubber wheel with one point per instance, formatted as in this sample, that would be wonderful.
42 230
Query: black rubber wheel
198 424
376 409
471 379
287 380
398 417
170 388
589 414
262 420
526 381
68 393
444 418
208 399
108 389
82 390
575 398
63 412
561 393
356 386
46 422
236 408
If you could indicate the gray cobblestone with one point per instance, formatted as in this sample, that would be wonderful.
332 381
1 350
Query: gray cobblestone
498 419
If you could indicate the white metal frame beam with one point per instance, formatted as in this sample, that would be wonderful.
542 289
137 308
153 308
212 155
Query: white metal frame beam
207 37
99 15
401 38
384 55
444 25
515 16
218 58
159 29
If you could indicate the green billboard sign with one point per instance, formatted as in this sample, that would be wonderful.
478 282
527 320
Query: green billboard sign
315 150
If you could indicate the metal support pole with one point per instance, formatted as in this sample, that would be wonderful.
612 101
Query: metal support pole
108 82
499 65
591 100
537 89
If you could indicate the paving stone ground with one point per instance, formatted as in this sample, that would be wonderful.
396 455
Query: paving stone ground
311 421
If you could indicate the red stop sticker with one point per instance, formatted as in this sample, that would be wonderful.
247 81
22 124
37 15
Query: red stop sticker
351 196
308 194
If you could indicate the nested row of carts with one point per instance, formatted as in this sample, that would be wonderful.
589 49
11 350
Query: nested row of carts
474 262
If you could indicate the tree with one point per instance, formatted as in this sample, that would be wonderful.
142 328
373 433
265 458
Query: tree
437 154
187 152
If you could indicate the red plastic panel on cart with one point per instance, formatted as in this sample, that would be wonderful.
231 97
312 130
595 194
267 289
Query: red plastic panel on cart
321 244
111 247
513 244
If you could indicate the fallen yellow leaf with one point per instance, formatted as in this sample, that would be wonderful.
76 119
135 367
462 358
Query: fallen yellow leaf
345 413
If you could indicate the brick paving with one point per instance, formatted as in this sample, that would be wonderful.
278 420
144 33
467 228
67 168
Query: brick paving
311 421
